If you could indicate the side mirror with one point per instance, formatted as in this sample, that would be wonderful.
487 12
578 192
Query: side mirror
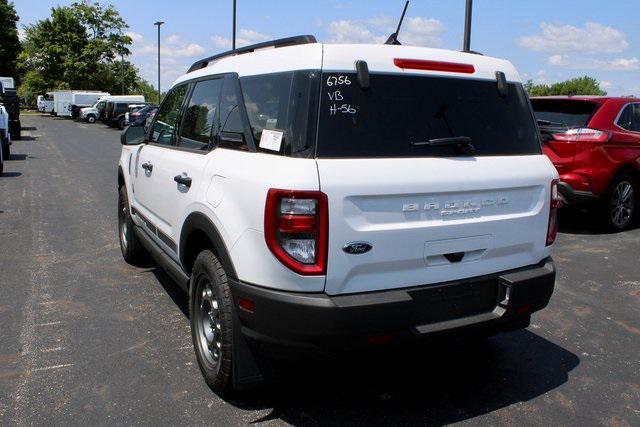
132 135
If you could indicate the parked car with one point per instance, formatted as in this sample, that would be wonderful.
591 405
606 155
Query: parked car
316 198
5 137
150 115
116 113
9 98
594 143
137 114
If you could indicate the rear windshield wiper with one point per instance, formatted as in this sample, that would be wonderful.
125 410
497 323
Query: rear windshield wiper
549 123
462 144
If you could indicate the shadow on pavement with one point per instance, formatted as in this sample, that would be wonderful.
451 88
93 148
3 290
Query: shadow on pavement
18 157
175 292
443 383
10 175
583 222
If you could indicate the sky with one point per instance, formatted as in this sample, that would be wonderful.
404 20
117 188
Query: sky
547 40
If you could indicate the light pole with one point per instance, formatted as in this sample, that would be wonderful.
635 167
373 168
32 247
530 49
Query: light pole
122 70
158 24
233 38
467 26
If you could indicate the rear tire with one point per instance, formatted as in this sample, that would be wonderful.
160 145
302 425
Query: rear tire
6 149
121 125
621 202
210 305
132 250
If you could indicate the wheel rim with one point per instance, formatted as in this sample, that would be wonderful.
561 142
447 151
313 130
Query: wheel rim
209 327
622 203
122 222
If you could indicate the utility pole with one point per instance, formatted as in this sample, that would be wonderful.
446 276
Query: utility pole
233 38
158 24
467 26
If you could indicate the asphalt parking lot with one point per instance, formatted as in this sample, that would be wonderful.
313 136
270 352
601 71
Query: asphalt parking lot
87 339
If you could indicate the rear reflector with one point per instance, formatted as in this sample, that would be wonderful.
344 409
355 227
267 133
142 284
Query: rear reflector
246 304
421 64
556 203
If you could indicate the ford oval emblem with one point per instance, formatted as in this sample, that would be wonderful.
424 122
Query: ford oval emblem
357 248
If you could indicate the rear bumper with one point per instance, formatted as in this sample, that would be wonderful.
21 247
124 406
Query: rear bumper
285 324
575 197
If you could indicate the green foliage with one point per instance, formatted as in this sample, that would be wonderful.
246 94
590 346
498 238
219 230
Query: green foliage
577 86
81 46
9 42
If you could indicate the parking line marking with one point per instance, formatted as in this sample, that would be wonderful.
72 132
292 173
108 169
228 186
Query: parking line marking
51 350
49 323
49 368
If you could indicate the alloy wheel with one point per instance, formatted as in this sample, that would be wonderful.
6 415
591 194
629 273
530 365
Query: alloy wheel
622 204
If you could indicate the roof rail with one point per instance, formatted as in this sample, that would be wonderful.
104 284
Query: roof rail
288 41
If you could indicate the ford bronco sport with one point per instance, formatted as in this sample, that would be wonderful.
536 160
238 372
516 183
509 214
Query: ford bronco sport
314 197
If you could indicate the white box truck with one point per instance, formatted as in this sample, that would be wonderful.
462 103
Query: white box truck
45 103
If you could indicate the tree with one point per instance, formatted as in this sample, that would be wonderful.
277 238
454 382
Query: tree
9 41
79 46
577 86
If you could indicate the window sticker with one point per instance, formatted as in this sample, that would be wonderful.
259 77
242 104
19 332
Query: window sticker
271 140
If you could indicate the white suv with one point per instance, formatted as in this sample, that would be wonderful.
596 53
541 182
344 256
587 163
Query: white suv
316 197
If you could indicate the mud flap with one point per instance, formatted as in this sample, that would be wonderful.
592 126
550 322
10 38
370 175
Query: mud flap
250 369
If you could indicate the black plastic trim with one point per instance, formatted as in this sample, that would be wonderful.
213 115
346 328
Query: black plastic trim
305 321
577 198
199 222
170 266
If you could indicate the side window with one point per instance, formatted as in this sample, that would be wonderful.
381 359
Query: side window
200 117
625 119
635 120
164 128
231 127
283 102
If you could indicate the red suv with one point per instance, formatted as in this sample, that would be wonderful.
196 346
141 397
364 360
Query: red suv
594 143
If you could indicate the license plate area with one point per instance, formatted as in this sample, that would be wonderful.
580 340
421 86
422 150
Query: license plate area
454 300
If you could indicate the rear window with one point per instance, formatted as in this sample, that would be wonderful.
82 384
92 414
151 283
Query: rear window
561 112
397 111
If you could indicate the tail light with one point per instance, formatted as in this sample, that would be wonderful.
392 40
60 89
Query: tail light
296 228
582 135
556 203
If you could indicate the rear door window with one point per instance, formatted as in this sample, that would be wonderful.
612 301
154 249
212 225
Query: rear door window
397 111
201 115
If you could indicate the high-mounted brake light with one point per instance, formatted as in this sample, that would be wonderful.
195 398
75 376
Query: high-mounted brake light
556 203
582 135
296 227
422 64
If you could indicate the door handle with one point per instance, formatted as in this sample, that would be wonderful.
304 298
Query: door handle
147 166
184 180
